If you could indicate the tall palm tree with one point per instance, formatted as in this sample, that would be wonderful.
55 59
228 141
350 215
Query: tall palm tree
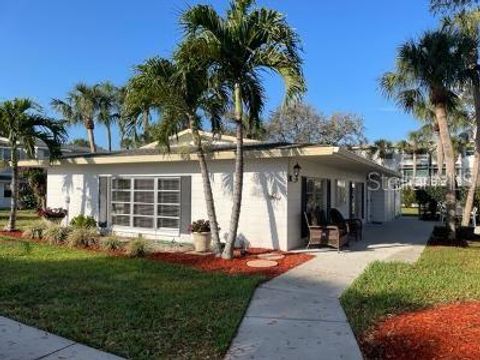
240 46
109 107
80 107
468 24
138 103
428 69
183 94
22 122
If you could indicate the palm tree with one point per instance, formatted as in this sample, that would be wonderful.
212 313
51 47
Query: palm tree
108 107
451 5
381 149
240 46
184 96
80 107
468 24
22 122
416 142
426 71
138 101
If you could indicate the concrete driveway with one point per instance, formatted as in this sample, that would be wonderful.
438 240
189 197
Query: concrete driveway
298 315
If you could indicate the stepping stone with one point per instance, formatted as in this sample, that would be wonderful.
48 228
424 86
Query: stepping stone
261 263
271 256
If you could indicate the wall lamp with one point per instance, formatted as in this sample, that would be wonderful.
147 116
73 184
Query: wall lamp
296 173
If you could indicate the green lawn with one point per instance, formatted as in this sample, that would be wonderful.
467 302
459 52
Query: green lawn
409 211
24 218
132 307
442 275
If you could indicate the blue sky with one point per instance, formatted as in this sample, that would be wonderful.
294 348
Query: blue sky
49 45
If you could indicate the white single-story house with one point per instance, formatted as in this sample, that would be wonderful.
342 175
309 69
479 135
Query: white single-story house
158 194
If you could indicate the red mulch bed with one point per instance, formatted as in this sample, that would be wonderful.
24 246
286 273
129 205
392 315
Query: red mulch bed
238 265
15 234
444 332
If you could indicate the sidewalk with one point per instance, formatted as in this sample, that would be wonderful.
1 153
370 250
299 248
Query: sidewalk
22 342
298 314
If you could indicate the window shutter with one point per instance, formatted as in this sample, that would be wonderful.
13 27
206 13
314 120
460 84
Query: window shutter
104 187
304 228
186 204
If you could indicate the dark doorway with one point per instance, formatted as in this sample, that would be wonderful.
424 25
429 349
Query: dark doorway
316 192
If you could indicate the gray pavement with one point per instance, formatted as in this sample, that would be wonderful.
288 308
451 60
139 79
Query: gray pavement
298 315
22 342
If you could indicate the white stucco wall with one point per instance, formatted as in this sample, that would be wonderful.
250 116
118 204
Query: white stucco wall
264 208
271 208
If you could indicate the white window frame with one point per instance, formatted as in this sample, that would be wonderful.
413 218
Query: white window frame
155 204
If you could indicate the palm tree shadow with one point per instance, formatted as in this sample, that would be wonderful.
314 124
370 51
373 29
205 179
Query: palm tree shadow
84 189
267 186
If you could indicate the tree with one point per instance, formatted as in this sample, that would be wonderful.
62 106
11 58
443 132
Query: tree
183 94
451 5
467 23
23 124
37 181
138 102
301 123
109 107
240 46
427 70
80 107
416 143
381 149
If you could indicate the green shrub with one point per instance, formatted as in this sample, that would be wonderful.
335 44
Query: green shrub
111 243
35 229
82 237
56 234
408 196
137 248
82 221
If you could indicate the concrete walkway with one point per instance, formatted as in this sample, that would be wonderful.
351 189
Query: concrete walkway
22 342
298 315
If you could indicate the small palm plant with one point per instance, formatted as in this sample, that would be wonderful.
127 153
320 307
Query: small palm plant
23 124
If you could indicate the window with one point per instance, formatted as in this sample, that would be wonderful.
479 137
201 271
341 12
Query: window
150 203
316 194
341 192
7 191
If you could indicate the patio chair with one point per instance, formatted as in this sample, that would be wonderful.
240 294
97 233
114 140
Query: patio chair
315 230
322 233
353 227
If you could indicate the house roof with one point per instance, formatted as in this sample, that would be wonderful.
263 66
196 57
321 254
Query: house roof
186 137
335 155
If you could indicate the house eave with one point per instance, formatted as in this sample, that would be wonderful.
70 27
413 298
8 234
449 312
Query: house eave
294 152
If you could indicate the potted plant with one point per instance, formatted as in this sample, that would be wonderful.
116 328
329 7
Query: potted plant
54 215
202 236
